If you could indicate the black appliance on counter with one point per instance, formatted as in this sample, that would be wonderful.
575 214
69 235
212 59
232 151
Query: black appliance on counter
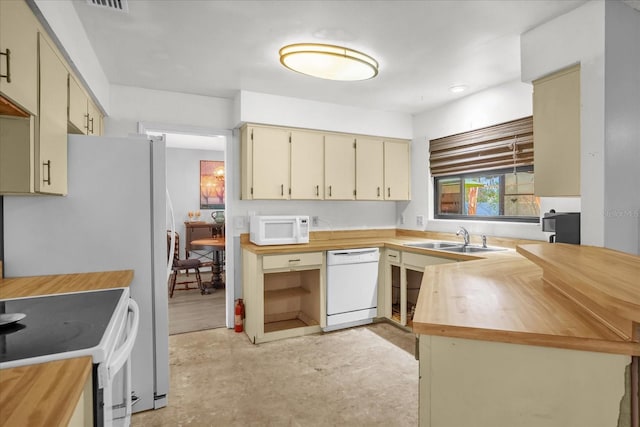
565 225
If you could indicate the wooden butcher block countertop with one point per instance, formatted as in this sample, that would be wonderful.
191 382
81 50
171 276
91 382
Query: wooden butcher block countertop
46 394
42 395
18 287
514 300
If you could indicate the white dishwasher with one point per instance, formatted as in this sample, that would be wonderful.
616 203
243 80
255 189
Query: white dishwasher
352 287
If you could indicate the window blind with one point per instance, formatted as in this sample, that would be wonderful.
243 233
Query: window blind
500 146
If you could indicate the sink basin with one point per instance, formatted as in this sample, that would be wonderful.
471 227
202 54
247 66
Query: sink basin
433 245
470 249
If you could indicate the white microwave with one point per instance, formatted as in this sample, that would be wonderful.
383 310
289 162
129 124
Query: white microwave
279 229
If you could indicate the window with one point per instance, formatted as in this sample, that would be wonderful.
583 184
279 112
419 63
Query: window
486 174
492 195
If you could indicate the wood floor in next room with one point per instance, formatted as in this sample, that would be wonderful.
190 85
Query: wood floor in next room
365 376
190 311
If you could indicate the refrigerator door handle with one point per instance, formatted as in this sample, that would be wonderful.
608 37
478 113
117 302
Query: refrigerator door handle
173 235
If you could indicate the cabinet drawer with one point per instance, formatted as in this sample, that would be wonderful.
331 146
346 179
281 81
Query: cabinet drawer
421 261
270 262
393 255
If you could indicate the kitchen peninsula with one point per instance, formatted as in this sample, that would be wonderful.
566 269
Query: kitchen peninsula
550 338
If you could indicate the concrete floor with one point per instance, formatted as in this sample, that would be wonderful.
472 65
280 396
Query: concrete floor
364 376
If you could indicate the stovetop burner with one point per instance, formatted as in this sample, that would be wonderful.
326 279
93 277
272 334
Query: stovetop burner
56 323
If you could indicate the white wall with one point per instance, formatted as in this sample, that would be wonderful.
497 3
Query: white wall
578 37
131 105
183 183
284 111
622 128
496 105
602 37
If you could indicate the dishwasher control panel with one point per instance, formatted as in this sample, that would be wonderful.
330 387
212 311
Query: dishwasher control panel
353 256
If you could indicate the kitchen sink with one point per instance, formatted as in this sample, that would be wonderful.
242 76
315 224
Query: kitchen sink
452 247
471 249
433 245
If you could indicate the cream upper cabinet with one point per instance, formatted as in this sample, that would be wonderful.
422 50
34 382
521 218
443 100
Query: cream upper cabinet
270 162
95 119
19 54
307 165
397 170
339 167
556 132
78 115
369 169
17 155
51 146
84 116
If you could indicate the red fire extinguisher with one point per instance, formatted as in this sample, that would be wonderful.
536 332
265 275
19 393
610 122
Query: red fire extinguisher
239 314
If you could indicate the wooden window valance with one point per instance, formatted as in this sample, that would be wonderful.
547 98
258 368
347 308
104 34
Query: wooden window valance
500 146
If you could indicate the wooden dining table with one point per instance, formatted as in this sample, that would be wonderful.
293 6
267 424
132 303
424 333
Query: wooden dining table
217 247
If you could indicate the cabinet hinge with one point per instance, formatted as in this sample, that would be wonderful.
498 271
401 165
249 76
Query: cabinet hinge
252 191
354 192
251 135
289 139
289 190
354 143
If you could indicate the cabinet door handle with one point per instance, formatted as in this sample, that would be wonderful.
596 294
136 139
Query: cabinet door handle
86 126
317 190
91 120
378 191
282 189
329 191
393 256
388 191
48 166
294 260
7 76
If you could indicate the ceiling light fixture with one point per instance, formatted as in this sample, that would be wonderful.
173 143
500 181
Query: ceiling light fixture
458 88
328 61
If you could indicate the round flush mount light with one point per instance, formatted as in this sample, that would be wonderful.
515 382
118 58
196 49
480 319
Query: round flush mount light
458 88
327 61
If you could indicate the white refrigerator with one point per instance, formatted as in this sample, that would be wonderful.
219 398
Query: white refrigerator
113 218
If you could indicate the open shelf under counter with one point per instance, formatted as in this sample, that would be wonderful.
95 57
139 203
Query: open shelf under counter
285 293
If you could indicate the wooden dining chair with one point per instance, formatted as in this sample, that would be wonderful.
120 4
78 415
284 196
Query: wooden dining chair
179 265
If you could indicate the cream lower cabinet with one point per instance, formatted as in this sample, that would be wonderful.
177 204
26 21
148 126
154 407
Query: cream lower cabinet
480 383
403 279
19 54
392 284
82 415
339 167
284 295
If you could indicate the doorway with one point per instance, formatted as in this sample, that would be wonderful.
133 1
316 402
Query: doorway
190 153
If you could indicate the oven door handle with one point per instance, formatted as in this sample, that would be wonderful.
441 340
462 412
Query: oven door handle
121 355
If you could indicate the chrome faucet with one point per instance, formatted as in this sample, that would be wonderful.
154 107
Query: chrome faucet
465 235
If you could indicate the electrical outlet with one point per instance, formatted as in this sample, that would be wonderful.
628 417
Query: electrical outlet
401 219
420 220
315 221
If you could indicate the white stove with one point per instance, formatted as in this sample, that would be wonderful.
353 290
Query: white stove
63 326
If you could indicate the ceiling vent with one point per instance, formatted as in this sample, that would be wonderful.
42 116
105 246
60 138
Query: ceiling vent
119 5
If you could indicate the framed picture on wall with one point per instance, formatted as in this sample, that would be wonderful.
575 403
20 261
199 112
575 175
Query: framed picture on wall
211 184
